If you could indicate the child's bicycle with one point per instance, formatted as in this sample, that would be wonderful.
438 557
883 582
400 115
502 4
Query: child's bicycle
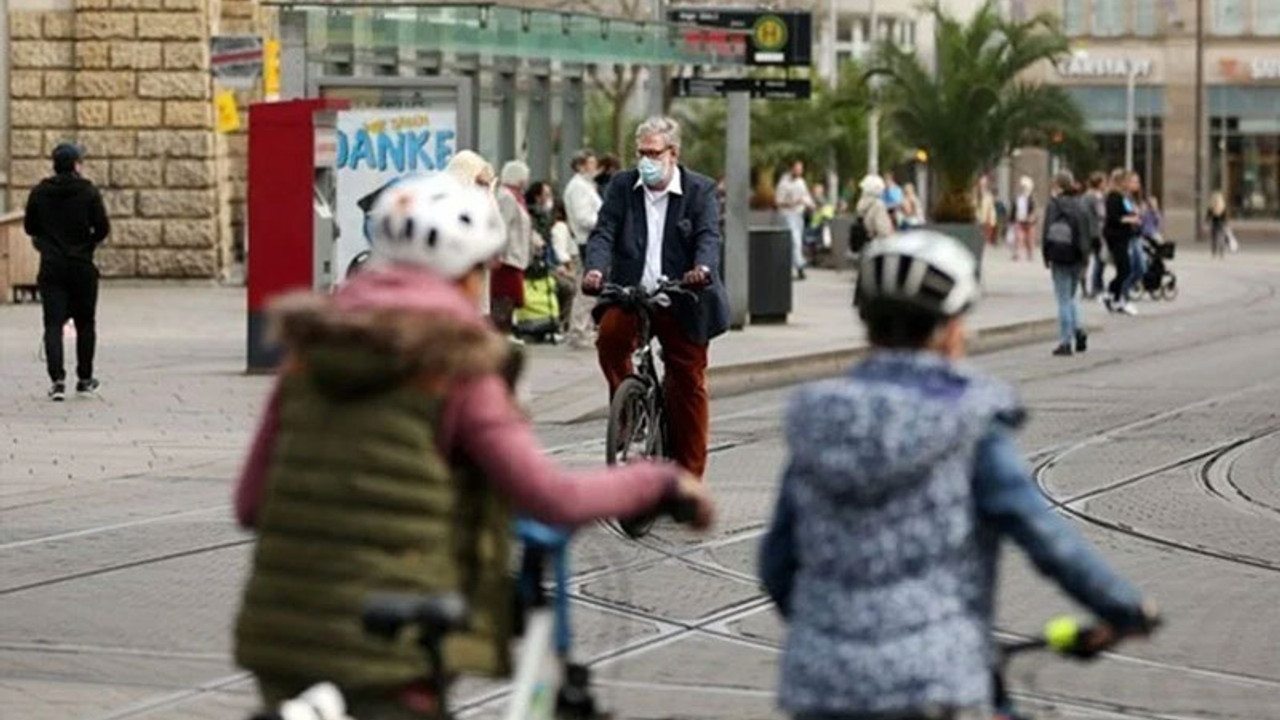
1062 635
637 428
546 685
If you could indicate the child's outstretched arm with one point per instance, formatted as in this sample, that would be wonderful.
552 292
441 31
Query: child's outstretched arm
253 476
1007 498
481 424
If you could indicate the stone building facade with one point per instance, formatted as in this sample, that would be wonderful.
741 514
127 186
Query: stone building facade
129 80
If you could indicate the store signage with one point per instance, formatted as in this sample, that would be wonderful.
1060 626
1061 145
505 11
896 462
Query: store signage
768 37
1082 65
1246 70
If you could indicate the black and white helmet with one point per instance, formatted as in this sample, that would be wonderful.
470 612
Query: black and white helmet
921 269
436 222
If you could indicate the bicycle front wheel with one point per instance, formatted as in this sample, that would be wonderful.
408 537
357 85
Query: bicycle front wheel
634 433
632 430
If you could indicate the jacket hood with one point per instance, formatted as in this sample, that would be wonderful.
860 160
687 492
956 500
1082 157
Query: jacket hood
66 184
897 415
387 325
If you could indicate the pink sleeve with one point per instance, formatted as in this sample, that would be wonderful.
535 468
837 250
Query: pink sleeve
253 476
481 424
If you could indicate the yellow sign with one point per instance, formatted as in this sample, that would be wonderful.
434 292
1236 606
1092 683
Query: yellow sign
770 33
271 70
228 115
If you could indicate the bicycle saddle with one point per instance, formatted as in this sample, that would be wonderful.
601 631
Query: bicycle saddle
385 614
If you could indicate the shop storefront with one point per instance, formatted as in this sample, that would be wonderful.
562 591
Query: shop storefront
1244 148
1106 112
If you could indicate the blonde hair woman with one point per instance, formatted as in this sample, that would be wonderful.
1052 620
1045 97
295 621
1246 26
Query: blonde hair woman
470 168
1024 219
1218 226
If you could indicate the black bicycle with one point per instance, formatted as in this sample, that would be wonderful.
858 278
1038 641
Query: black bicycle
637 427
1062 635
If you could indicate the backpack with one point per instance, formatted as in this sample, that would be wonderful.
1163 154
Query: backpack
859 236
1060 245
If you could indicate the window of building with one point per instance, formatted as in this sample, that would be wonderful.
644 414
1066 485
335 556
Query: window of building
866 30
1145 17
844 28
1228 16
843 57
1266 17
1111 17
911 34
1074 14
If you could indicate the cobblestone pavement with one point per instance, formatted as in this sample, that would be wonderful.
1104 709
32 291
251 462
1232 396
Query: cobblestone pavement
120 568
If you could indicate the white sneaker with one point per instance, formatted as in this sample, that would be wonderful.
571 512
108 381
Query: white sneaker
1128 309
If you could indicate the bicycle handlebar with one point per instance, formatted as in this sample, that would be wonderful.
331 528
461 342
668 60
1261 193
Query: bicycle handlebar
1065 636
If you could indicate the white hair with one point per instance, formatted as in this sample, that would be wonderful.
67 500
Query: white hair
872 185
667 127
1027 183
515 173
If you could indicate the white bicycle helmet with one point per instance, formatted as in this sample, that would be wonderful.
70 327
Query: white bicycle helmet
436 222
921 269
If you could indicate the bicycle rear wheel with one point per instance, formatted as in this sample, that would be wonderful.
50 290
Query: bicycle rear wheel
634 433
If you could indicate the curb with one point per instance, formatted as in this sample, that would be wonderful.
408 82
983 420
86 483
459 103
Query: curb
742 378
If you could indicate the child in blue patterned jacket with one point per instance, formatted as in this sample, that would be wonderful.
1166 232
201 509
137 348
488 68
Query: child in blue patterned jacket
901 480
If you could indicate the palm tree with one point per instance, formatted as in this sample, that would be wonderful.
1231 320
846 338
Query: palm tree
977 107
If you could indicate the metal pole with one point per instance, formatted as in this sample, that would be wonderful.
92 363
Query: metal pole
1199 179
737 184
873 120
833 173
657 78
1129 112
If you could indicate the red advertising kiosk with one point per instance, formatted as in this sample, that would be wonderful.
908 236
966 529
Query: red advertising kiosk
288 144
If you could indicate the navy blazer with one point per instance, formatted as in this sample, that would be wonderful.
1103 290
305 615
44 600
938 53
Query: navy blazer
691 239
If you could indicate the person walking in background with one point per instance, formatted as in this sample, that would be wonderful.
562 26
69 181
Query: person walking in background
893 199
818 233
1218 224
1095 205
987 216
1120 225
469 168
912 210
541 201
67 221
568 263
1137 245
1024 219
507 286
582 208
1065 248
792 199
610 165
871 211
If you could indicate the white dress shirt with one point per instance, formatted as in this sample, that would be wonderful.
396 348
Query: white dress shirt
655 210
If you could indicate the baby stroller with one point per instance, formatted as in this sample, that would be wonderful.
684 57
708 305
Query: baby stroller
1158 281
539 319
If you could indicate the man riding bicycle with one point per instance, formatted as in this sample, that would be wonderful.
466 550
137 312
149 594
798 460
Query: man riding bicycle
658 221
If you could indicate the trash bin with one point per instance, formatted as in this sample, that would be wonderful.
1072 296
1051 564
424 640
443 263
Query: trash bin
769 274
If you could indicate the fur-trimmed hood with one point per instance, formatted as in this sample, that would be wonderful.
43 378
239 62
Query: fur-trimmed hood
385 326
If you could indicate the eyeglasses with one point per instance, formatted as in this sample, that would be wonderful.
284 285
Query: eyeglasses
651 154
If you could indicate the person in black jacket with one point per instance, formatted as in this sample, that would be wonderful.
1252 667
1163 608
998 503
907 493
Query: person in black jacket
67 221
1065 246
1119 227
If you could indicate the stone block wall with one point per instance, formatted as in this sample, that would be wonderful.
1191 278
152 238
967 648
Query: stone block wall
129 80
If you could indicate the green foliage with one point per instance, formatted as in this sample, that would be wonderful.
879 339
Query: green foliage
977 107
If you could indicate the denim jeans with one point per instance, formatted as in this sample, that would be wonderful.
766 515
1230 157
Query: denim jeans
795 223
1066 280
1137 262
1096 285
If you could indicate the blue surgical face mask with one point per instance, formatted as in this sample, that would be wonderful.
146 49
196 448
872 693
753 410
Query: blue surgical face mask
652 172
